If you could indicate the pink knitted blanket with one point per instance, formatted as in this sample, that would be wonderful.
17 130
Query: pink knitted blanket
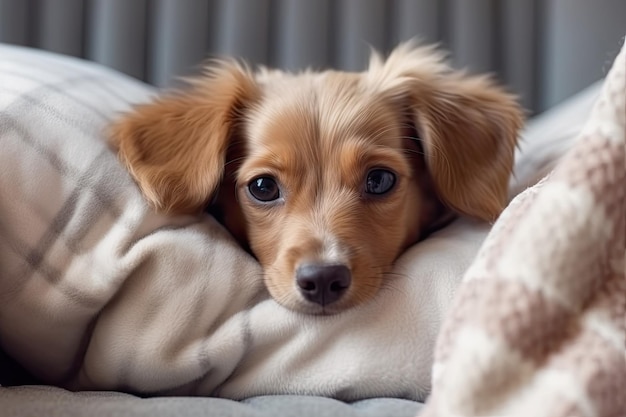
538 325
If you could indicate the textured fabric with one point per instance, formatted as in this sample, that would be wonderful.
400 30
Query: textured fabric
538 327
99 292
47 401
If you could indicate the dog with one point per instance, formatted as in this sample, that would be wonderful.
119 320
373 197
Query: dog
326 177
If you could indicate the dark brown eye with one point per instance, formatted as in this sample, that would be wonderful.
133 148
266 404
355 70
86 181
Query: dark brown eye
264 189
379 181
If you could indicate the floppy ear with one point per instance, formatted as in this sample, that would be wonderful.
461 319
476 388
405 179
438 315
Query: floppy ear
469 130
175 147
467 125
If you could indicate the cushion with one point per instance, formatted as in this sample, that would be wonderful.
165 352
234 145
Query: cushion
47 401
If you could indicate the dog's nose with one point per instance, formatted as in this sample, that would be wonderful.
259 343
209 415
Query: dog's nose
323 284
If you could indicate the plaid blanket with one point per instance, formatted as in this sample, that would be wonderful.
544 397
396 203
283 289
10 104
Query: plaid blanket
538 327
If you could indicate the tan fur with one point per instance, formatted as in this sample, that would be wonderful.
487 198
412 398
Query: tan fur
318 135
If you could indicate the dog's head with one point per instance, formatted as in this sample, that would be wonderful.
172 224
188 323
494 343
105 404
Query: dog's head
327 176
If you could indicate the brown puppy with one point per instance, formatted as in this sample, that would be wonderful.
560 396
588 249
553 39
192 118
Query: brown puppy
327 176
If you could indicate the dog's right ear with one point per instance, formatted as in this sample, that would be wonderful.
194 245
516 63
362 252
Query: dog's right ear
175 147
468 126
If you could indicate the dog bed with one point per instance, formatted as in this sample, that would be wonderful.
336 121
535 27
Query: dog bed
98 292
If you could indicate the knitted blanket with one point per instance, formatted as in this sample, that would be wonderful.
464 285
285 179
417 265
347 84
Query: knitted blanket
538 324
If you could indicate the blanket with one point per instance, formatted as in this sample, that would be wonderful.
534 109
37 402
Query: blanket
97 291
538 326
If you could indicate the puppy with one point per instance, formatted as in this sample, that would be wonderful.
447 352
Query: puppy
326 177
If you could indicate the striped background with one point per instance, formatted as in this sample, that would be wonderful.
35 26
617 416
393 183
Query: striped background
544 49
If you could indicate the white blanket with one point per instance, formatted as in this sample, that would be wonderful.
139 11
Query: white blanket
99 292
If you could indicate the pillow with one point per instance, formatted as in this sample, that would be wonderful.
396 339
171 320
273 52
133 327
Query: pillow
97 291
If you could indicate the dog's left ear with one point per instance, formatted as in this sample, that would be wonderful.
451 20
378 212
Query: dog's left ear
468 127
176 146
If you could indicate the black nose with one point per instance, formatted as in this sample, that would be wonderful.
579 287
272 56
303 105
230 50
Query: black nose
323 284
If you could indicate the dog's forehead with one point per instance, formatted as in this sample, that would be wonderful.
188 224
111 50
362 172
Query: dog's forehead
327 108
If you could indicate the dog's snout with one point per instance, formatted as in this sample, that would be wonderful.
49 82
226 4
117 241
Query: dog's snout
323 284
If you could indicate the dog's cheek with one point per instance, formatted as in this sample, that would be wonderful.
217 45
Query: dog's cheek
265 239
386 232
227 210
412 215
265 234
391 225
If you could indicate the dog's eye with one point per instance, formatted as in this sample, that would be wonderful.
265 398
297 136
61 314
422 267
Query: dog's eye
379 181
264 189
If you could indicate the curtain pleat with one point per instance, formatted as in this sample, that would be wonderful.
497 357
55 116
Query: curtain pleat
58 25
15 22
116 34
414 18
518 51
471 37
358 25
301 34
243 29
177 38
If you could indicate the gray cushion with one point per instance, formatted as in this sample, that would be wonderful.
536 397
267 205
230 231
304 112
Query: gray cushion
49 401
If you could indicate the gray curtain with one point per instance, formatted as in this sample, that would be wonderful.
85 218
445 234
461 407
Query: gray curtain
544 50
